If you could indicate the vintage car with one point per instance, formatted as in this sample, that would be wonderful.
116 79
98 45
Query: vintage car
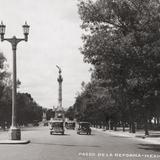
70 125
84 128
56 126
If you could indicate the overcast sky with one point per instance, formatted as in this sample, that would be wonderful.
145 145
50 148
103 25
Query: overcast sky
54 39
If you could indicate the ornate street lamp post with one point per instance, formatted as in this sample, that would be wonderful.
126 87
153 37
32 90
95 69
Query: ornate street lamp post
14 130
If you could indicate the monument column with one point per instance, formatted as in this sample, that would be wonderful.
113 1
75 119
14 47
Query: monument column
60 80
59 110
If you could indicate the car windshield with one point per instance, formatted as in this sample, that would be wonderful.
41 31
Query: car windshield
57 124
71 123
84 125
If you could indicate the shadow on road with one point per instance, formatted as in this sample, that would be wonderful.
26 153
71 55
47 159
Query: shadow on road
60 134
86 134
67 145
154 136
153 147
150 136
119 136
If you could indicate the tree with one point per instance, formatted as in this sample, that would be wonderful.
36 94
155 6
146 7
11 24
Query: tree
5 96
70 114
122 43
28 111
94 104
50 114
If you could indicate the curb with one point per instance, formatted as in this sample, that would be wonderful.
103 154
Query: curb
138 137
14 141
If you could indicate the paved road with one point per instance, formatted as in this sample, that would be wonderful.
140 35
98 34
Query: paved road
98 146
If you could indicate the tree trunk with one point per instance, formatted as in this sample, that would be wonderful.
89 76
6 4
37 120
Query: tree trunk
115 127
132 128
131 123
154 121
106 124
157 120
123 125
100 125
146 128
109 125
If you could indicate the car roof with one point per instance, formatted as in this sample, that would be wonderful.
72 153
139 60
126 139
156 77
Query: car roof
56 120
70 121
84 123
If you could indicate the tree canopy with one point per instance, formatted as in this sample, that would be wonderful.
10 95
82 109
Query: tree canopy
122 42
27 109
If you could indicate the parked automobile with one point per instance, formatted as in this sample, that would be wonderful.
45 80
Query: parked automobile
56 126
70 125
84 128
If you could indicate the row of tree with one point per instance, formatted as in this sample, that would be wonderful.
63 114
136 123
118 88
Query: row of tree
122 42
28 111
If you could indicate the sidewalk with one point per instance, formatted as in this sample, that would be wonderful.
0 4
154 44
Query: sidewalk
5 137
4 134
153 138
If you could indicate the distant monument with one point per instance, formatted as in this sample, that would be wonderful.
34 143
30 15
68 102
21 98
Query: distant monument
44 118
59 112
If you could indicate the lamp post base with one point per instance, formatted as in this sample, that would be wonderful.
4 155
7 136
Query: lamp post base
14 137
14 133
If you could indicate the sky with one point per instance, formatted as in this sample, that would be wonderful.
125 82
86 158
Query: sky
54 39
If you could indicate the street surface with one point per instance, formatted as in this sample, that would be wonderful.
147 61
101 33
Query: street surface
98 146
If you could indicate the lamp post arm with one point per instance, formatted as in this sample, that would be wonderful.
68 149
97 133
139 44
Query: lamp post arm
14 41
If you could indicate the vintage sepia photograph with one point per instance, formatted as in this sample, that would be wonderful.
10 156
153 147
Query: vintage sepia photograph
79 79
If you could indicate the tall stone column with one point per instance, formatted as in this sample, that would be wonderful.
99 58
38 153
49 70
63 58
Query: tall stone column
59 111
60 80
